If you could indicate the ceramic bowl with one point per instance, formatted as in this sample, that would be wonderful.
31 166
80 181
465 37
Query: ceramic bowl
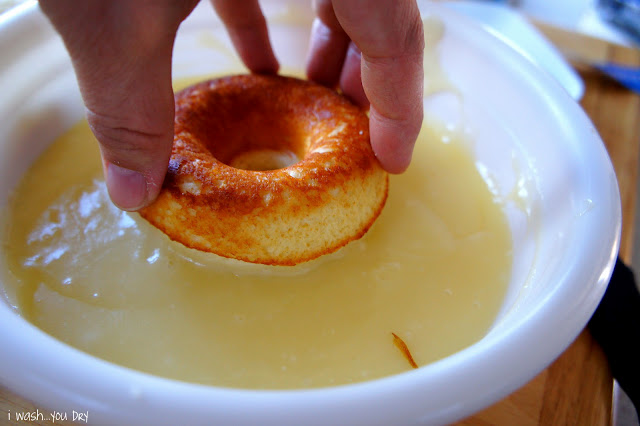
534 145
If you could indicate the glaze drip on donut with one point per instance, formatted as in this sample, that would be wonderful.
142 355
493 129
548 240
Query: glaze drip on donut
268 169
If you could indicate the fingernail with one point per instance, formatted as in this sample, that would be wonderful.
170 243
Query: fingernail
127 188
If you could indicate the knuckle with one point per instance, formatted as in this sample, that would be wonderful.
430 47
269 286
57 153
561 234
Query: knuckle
126 143
414 40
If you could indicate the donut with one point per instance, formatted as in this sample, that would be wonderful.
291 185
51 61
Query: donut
268 169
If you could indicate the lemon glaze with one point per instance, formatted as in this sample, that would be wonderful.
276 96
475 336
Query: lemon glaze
433 269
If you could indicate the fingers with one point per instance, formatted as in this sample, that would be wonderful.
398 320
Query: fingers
247 29
121 52
390 37
131 115
328 46
351 77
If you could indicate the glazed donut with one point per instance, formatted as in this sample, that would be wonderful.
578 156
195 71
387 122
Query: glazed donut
268 169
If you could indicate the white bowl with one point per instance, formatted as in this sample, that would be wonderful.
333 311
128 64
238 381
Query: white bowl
529 136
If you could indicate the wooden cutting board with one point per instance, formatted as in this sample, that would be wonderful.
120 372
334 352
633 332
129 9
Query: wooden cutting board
577 388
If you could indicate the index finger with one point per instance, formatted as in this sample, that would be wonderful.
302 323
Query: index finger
249 34
390 36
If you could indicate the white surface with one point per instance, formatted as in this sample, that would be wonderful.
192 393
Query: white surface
530 136
509 25
574 15
564 13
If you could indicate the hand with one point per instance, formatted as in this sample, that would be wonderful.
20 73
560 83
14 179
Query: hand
388 73
121 52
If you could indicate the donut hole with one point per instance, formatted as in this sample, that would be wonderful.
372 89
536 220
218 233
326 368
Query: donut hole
251 132
264 159
269 148
251 144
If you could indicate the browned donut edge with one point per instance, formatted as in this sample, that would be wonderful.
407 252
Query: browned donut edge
223 205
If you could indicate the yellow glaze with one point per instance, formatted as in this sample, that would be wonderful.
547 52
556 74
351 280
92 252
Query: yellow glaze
433 269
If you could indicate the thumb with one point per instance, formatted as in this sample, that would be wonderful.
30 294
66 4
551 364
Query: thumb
121 53
134 126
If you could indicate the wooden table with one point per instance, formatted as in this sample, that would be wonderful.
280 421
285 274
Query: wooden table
577 388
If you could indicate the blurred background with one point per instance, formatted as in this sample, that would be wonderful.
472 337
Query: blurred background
613 20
